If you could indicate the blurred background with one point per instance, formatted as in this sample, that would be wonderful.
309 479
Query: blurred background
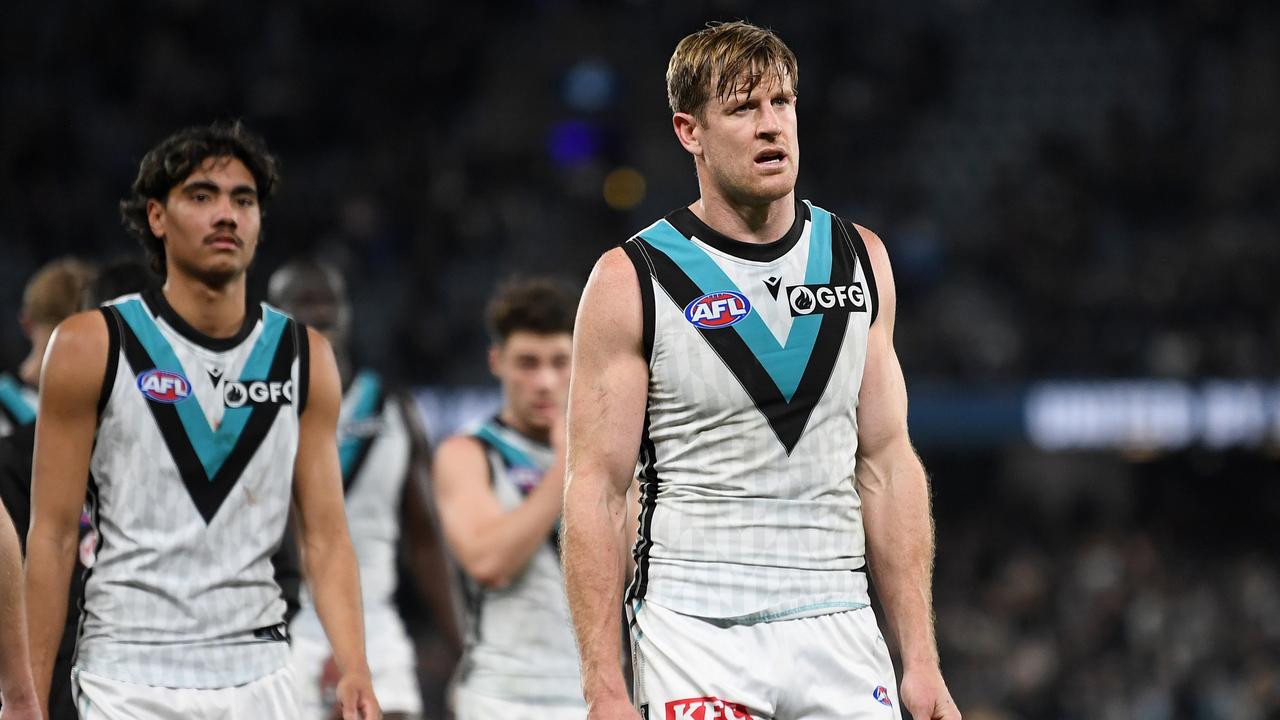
1081 200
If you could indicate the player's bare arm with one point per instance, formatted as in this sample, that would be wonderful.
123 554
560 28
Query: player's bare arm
492 544
328 557
423 545
896 509
16 685
607 395
71 387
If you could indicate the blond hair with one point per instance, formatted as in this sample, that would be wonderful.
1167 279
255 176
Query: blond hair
735 56
54 293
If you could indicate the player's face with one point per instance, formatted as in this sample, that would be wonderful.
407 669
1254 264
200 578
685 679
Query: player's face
748 143
534 371
210 221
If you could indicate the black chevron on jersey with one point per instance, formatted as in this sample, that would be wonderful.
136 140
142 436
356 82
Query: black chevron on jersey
788 419
208 493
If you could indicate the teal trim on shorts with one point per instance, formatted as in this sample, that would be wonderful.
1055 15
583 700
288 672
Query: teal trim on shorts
88 704
634 626
793 613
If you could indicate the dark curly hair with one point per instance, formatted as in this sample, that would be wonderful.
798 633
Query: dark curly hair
180 154
538 305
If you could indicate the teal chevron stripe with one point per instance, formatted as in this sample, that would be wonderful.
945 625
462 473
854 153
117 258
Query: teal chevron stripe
365 388
12 398
256 367
784 363
512 454
211 447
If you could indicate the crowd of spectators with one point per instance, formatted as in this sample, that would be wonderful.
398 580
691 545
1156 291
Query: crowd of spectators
1091 588
1086 188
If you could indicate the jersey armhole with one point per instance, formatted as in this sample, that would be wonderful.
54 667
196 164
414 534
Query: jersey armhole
634 248
114 332
859 248
302 341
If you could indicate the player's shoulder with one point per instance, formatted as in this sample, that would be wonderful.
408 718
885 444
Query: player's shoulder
614 270
82 332
875 247
78 360
460 451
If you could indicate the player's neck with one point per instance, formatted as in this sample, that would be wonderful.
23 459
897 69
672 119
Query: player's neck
513 421
745 222
216 311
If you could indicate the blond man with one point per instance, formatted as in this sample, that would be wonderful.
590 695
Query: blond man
742 348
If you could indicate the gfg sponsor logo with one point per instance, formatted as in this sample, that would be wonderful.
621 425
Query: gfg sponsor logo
706 708
164 386
257 392
717 310
882 695
825 299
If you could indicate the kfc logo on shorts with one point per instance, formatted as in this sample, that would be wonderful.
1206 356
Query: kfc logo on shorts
882 696
706 708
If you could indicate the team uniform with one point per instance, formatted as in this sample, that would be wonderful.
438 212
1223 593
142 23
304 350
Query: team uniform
191 480
520 660
375 448
750 593
18 404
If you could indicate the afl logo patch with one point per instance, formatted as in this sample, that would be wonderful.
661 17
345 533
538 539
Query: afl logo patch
882 696
717 310
164 386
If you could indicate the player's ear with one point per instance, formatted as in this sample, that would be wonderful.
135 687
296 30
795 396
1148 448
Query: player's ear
495 357
155 217
688 132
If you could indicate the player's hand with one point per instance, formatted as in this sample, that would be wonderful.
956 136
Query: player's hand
925 695
355 698
612 709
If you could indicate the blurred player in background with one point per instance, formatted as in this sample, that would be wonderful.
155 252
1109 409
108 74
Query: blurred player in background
385 475
200 418
499 491
743 348
52 295
122 276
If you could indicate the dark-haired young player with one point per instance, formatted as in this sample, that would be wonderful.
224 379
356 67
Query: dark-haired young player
200 419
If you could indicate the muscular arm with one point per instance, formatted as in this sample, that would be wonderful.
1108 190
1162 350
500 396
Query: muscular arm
607 396
423 547
490 543
895 504
72 382
328 558
16 685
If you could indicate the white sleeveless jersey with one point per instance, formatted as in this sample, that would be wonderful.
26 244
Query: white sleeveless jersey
520 643
756 352
18 404
375 450
191 479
